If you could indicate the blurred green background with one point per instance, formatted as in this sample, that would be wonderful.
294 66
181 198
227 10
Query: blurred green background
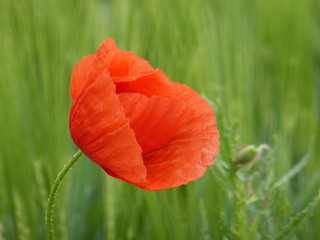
257 61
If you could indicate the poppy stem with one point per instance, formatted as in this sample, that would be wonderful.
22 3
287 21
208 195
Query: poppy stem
53 193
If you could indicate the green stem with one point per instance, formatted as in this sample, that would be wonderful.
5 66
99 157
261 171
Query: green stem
53 192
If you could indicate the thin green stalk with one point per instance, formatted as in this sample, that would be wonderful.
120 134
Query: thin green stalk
53 192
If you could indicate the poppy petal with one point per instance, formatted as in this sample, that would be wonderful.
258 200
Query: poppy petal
154 119
156 83
122 66
80 74
101 130
187 154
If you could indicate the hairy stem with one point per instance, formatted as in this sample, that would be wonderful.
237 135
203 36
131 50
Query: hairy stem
53 192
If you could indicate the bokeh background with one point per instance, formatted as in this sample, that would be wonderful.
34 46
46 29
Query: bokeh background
257 61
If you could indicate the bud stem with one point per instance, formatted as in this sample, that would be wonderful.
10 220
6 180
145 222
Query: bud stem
53 192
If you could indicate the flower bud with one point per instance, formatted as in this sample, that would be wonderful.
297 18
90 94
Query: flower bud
247 154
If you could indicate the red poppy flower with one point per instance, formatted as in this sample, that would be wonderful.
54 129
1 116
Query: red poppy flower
136 124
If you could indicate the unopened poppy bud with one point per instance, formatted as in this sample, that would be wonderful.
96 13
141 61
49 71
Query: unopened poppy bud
247 154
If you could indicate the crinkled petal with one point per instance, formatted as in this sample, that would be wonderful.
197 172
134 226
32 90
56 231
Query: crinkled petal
80 75
122 66
154 119
101 130
187 154
155 83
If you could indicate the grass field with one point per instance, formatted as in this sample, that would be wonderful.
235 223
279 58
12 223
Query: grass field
257 61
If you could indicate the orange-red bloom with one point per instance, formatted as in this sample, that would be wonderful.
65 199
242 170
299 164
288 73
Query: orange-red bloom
136 124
